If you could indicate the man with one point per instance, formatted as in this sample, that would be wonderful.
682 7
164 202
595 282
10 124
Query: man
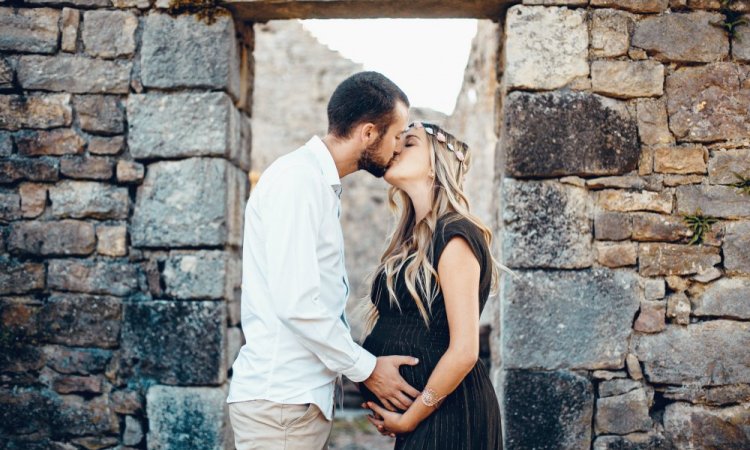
294 284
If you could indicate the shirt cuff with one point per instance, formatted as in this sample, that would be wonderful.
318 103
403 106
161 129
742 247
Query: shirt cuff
363 368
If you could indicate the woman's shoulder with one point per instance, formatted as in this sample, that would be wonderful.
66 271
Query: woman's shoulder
455 225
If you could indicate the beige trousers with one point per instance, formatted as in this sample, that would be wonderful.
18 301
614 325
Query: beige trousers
265 425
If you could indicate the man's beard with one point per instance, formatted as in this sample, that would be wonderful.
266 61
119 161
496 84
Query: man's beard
368 162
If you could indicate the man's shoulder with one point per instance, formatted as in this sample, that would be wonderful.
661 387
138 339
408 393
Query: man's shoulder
294 166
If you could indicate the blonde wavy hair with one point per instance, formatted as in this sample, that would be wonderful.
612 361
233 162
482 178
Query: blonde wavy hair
409 246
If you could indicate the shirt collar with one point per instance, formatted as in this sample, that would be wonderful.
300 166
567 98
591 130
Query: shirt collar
325 160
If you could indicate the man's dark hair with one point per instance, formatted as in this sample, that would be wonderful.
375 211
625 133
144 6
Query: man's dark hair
363 97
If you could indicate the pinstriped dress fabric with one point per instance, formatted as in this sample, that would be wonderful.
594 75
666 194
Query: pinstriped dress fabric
469 418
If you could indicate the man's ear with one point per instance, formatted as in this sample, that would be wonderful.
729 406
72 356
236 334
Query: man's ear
368 133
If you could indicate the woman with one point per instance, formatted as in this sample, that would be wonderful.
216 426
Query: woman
428 293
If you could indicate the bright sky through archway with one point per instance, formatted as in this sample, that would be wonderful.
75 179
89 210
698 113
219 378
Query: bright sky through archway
425 57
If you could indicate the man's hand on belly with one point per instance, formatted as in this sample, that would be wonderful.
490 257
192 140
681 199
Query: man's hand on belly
389 386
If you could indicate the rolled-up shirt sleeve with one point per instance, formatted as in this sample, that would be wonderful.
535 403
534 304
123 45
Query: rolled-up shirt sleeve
292 215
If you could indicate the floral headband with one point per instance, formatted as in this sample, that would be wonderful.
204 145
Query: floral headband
440 136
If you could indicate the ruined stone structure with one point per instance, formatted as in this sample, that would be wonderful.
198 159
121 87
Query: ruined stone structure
618 117
124 150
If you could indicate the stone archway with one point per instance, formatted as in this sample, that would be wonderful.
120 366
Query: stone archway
124 137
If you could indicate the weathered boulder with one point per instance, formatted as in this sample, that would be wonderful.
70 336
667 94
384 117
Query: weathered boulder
568 133
546 225
186 417
545 47
568 319
547 410
705 353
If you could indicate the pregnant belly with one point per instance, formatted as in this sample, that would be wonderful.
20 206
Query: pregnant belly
383 342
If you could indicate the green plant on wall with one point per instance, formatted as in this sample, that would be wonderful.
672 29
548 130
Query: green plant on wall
206 10
743 183
699 224
732 20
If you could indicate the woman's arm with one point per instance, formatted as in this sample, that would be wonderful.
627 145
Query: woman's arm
459 274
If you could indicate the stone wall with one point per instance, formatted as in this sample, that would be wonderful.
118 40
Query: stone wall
624 329
124 148
124 144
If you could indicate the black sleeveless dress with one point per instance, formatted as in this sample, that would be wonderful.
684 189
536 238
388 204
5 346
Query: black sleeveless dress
468 418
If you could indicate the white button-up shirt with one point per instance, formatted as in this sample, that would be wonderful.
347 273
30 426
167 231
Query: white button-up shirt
294 287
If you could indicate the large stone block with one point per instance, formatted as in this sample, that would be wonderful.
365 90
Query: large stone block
35 111
741 43
627 79
109 34
728 297
616 254
20 277
79 416
653 126
736 245
704 353
112 240
723 166
95 277
184 51
71 19
714 396
82 361
33 199
633 441
674 259
612 226
65 237
78 3
545 47
158 342
57 142
10 206
622 414
683 160
185 203
186 124
87 167
26 410
685 37
6 144
718 201
81 320
201 275
568 319
100 113
695 426
29 30
74 74
568 133
641 6
80 199
34 169
658 228
610 32
546 225
186 417
709 102
627 201
547 410
6 74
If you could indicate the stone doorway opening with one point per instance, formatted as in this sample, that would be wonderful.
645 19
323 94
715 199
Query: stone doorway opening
294 74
